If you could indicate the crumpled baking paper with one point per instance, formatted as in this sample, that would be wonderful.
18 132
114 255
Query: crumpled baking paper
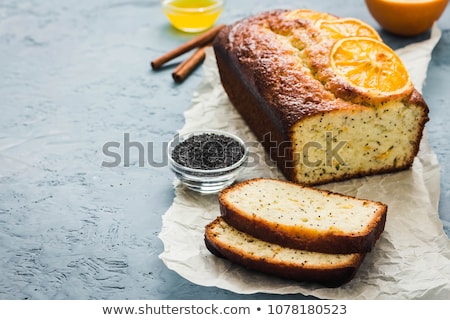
411 260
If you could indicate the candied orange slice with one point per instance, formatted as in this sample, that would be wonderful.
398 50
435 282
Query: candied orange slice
369 65
347 27
307 14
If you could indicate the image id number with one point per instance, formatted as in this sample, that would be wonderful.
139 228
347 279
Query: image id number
307 309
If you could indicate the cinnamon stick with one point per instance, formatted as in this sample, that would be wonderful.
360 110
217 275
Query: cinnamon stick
187 66
198 41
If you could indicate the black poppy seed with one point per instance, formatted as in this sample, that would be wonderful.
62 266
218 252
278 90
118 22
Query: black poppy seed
208 151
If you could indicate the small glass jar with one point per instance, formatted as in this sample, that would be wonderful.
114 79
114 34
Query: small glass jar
192 15
205 180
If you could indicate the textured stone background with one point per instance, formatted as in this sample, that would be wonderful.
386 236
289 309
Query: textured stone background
75 75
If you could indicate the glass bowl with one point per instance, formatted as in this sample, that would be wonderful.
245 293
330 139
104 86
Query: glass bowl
207 161
192 15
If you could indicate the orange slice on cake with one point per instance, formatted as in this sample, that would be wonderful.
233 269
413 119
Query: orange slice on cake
370 66
307 14
348 27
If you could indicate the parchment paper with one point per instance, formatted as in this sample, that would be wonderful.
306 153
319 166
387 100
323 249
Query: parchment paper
411 260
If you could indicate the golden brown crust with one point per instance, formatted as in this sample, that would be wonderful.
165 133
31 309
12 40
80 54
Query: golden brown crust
328 275
270 69
297 237
259 45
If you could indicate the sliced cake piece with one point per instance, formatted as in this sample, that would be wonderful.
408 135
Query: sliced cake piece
302 217
331 270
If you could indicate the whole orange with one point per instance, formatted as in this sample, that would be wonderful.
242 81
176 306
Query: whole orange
406 17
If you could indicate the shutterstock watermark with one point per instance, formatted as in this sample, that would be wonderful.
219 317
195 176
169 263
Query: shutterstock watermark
312 154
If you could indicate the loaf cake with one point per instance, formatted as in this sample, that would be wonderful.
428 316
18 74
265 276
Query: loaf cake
326 97
302 217
330 270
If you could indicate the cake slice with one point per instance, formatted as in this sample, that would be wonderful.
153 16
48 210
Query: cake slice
301 217
331 270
